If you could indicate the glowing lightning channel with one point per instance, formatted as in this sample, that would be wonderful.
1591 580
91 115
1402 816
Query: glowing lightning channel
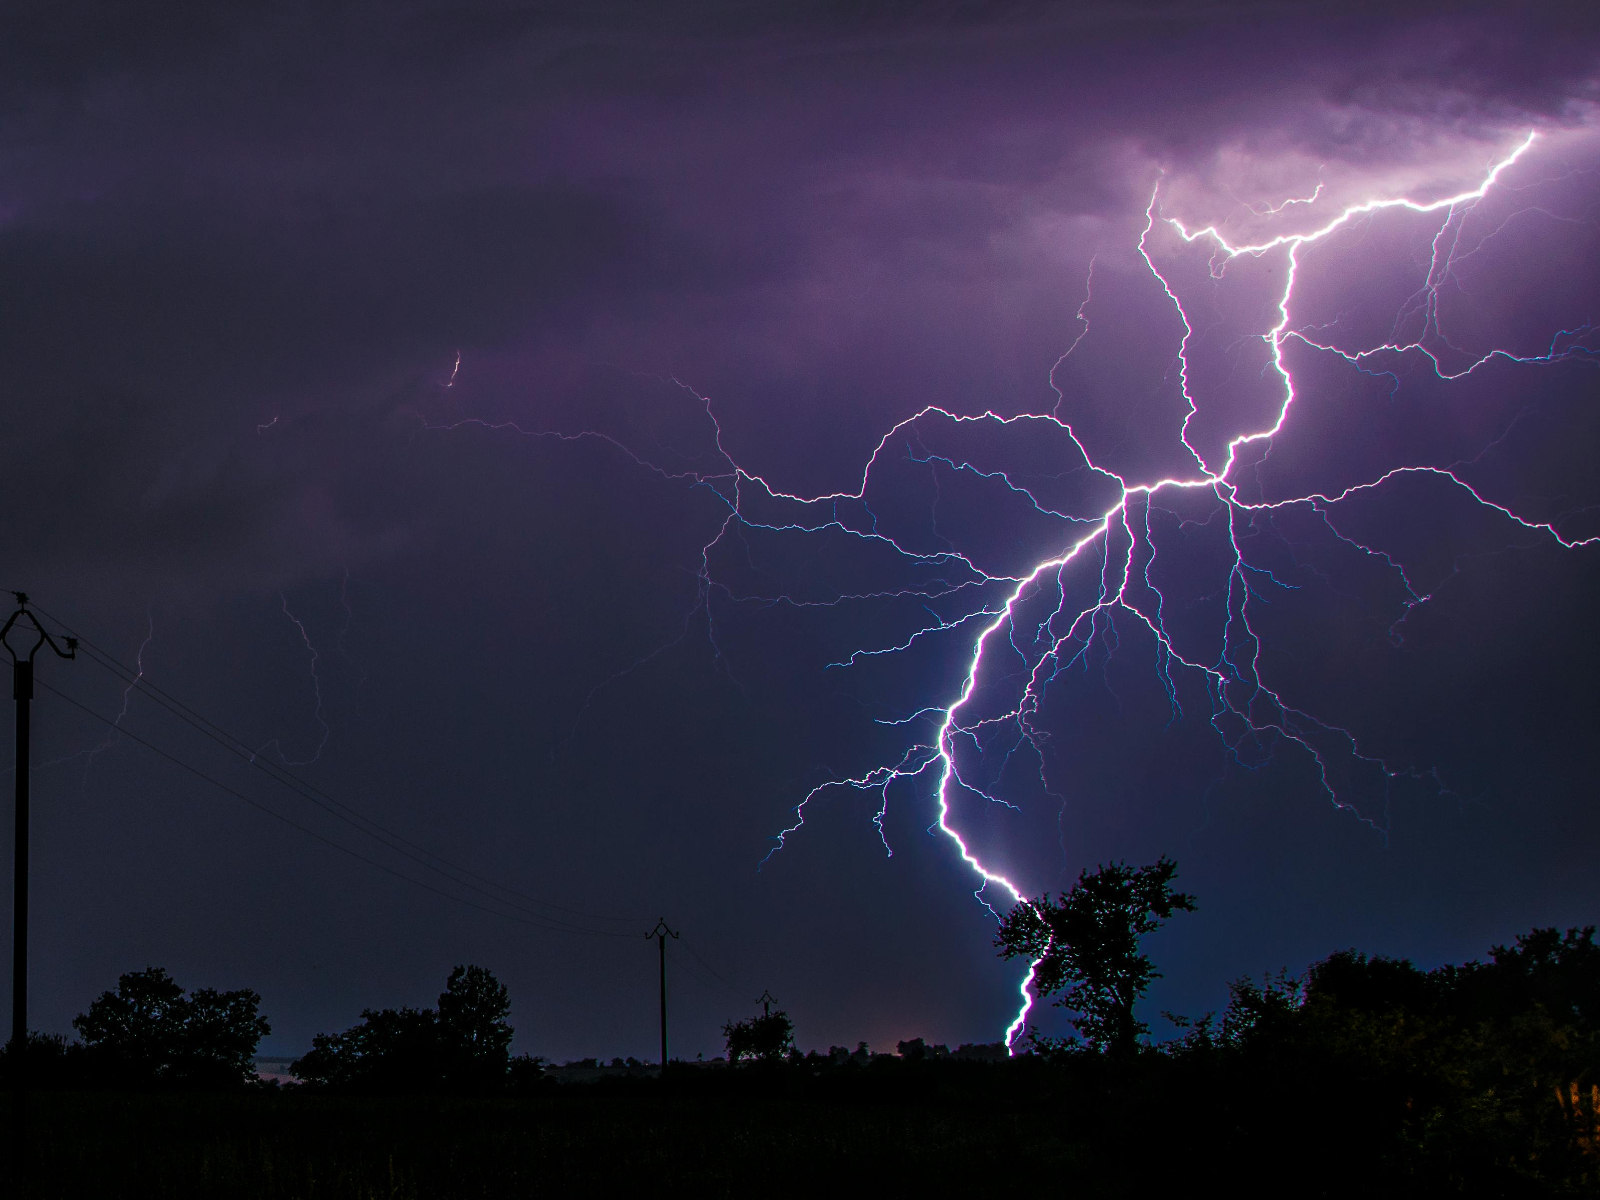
1265 712
1274 209
1287 721
127 692
1250 717
1279 334
316 685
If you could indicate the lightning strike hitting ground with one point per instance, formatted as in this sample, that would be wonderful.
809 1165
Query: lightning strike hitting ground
1027 618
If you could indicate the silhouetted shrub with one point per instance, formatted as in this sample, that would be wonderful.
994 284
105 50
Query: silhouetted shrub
767 1038
464 1046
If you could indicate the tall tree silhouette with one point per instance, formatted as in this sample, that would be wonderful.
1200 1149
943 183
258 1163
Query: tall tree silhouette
148 1030
473 1033
1086 943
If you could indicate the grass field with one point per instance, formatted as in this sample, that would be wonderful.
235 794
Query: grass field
265 1145
1155 1125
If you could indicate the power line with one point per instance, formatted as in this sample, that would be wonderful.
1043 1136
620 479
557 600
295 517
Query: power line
238 795
341 811
314 795
336 808
712 970
701 977
373 829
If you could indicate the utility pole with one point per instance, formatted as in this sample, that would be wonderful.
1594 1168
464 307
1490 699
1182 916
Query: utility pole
766 1000
22 692
661 933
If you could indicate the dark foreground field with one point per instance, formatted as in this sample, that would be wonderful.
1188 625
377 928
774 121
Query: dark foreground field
308 1146
1154 1126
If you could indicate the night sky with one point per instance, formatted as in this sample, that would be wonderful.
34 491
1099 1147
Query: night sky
414 391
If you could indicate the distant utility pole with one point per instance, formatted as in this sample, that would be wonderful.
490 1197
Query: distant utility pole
22 692
766 1000
661 933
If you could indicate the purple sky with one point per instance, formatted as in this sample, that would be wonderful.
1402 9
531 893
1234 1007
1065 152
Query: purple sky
291 289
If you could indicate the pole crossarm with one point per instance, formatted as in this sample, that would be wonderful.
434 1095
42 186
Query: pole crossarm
41 635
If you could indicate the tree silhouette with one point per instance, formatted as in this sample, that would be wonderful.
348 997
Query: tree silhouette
464 1046
1479 1076
391 1050
473 1033
1086 945
765 1038
148 1030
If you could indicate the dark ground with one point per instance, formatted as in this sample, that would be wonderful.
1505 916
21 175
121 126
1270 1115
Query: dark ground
301 1146
1019 1128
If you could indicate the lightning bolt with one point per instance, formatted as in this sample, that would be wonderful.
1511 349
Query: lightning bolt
1026 626
110 739
1273 210
127 692
316 687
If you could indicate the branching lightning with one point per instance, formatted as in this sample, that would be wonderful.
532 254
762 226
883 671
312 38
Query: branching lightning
1027 619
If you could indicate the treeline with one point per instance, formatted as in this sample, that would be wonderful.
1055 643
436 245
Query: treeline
1482 1077
149 1034
463 1046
